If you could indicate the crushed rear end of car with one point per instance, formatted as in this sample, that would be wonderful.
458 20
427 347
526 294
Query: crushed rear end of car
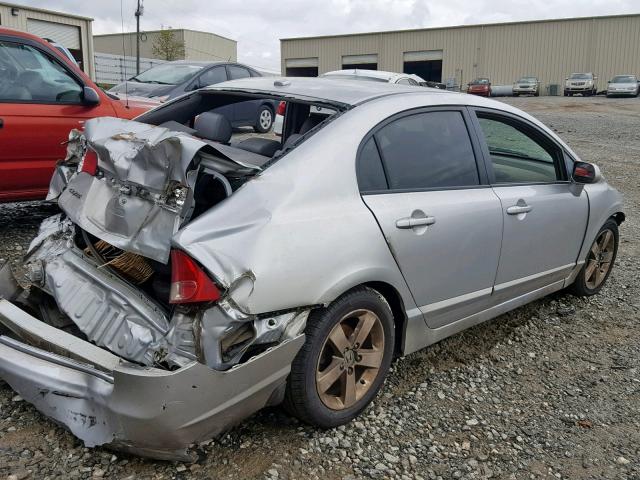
112 327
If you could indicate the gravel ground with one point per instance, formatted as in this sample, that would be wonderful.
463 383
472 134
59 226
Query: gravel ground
551 390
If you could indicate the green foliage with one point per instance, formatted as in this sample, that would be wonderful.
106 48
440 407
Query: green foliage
167 47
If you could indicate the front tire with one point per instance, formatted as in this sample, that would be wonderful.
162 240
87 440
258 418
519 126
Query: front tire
599 262
264 122
346 356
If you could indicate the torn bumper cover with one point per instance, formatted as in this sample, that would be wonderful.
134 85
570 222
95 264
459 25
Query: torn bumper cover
147 411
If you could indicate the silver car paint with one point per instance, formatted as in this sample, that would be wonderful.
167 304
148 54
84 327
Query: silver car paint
467 226
299 235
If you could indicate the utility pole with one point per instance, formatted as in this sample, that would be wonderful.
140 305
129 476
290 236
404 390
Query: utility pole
139 12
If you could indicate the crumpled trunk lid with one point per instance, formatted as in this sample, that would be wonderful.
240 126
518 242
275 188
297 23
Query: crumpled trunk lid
143 188
140 194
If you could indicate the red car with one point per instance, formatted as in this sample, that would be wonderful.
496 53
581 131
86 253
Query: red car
43 95
480 86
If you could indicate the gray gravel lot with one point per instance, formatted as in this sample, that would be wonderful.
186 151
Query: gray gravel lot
551 390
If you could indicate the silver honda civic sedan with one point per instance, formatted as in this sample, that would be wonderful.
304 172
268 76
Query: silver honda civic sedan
193 278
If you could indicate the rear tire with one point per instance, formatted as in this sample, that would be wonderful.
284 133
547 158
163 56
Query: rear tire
334 377
264 122
599 262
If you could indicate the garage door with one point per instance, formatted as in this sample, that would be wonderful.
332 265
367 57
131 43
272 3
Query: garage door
366 62
301 67
427 64
66 35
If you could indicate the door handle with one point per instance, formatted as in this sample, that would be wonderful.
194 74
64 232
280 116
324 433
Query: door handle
409 222
518 209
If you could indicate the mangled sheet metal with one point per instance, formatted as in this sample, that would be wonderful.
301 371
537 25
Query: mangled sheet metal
142 190
137 199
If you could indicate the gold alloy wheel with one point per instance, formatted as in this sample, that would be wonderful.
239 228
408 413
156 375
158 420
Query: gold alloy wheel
350 359
599 260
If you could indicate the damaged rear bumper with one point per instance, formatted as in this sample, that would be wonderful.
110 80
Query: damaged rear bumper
104 400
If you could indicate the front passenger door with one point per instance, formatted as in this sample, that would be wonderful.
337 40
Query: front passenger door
545 215
419 177
40 102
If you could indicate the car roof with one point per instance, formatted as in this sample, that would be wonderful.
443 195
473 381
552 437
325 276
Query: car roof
20 33
204 63
346 92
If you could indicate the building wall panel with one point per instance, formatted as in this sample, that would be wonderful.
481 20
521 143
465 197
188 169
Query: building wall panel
549 49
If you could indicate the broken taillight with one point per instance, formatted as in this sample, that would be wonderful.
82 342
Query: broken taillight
281 108
89 163
189 283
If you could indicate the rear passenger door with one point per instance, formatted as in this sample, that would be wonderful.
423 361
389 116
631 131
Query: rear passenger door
419 176
545 215
211 77
244 113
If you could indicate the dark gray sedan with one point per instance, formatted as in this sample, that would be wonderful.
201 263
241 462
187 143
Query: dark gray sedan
170 80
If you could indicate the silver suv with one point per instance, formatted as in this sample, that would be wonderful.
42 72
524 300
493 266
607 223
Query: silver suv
584 83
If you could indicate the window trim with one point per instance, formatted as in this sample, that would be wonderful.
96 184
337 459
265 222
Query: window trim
228 65
531 130
195 83
74 76
475 147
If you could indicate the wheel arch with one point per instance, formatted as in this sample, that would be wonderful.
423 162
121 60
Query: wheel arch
619 217
393 297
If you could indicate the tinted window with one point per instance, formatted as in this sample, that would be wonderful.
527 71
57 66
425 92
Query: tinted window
428 150
30 75
516 155
370 173
212 76
237 72
169 74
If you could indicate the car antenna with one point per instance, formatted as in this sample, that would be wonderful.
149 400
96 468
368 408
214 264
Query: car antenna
124 60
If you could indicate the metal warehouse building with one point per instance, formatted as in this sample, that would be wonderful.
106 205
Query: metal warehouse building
548 49
197 45
72 31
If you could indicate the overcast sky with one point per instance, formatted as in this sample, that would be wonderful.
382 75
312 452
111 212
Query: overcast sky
258 25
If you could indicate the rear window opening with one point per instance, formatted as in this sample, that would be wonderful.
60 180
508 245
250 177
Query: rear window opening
206 115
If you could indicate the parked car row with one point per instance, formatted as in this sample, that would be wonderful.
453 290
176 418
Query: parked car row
584 84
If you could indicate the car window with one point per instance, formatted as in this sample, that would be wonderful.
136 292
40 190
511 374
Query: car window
237 72
404 81
30 75
624 79
168 74
212 76
428 150
516 156
370 172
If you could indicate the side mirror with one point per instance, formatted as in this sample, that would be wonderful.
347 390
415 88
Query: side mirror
90 96
584 172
